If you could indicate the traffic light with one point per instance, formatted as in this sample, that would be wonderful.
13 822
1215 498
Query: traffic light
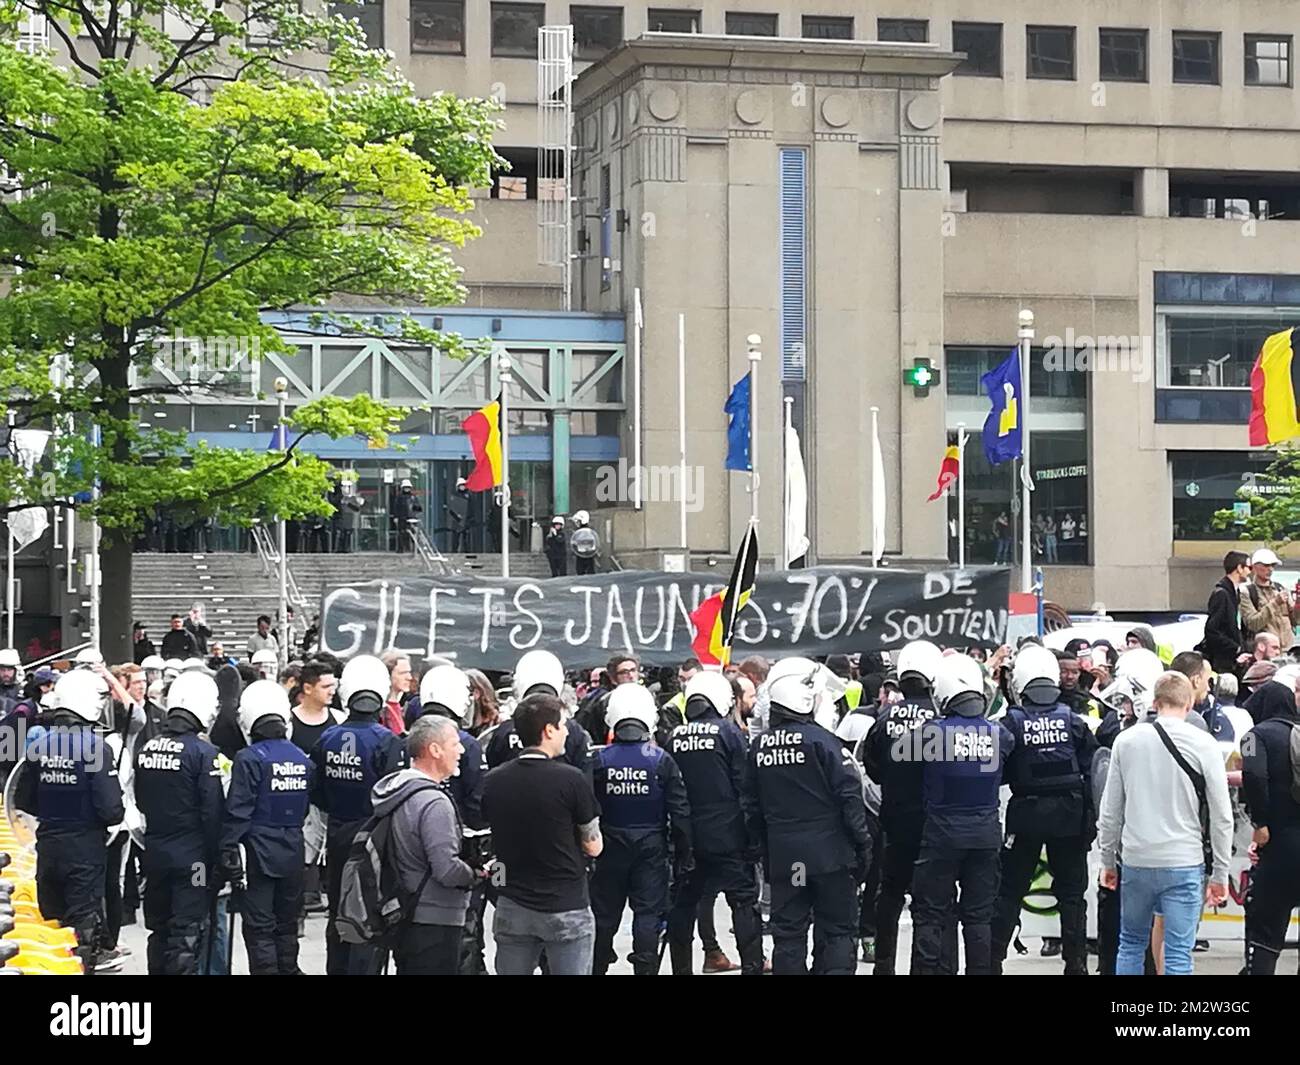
921 376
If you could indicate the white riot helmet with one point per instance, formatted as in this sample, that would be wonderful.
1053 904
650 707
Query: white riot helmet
262 698
447 686
796 685
266 663
364 684
630 702
581 517
153 664
1136 674
195 693
190 665
711 686
9 657
538 667
87 657
171 669
83 693
1034 665
920 658
959 687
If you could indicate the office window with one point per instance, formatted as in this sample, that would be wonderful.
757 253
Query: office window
596 30
1268 60
1215 351
438 26
606 232
982 43
1196 58
1050 52
673 20
1210 481
1123 55
910 30
826 28
745 25
793 206
370 16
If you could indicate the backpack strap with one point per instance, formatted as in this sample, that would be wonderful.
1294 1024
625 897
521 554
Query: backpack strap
1198 784
1252 590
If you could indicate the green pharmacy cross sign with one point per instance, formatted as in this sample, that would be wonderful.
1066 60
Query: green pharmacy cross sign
921 376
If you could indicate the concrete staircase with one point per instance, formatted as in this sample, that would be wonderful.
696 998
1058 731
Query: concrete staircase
235 589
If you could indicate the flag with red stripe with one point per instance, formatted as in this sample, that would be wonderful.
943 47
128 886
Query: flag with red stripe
715 619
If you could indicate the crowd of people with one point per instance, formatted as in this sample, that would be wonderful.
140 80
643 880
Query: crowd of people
825 794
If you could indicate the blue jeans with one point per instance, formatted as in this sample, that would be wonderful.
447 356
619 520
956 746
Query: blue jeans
522 934
1178 894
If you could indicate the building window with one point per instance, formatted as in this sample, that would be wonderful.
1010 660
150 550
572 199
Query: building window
982 43
514 29
369 16
1215 350
1123 55
1196 58
606 231
1051 376
1050 52
438 26
908 30
825 28
741 24
672 20
1208 481
794 253
1268 60
1200 196
596 30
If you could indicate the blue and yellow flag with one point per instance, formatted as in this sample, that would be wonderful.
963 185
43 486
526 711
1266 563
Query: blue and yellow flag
1002 427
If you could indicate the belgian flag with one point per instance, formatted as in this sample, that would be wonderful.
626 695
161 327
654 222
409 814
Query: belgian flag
483 428
715 618
1274 388
947 472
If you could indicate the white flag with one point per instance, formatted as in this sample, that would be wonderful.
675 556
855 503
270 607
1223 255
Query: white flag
877 496
796 499
27 526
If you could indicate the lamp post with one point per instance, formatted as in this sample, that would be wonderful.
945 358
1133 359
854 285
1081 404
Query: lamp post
1026 478
503 372
755 356
281 396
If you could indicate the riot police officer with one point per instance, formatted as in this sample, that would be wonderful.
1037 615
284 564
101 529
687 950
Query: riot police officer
962 756
69 782
711 753
178 790
270 782
446 690
1049 773
886 757
350 758
642 798
812 822
537 671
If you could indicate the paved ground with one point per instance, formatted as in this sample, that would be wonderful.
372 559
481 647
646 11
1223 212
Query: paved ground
1223 958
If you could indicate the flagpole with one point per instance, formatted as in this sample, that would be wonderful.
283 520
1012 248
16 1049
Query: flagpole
11 585
1026 478
755 357
681 426
94 556
961 495
638 322
503 368
785 482
875 491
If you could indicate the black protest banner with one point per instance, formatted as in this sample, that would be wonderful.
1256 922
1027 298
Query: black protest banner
489 623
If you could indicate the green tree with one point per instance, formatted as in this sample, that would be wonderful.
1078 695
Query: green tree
175 170
1275 514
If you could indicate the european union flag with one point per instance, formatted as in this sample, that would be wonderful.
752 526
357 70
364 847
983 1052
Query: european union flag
738 428
1002 427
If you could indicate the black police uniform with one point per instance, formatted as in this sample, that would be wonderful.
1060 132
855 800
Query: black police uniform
1049 772
886 756
349 759
69 781
504 744
962 764
641 796
812 820
711 753
178 790
1275 882
265 811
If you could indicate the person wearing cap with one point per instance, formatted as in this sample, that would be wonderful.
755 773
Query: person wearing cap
556 547
405 507
141 646
1265 605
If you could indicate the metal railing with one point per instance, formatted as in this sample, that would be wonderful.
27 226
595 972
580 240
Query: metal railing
433 559
58 656
269 553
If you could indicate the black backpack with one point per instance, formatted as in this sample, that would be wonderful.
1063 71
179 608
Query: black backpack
372 905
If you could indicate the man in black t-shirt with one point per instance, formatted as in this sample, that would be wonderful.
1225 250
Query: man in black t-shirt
545 824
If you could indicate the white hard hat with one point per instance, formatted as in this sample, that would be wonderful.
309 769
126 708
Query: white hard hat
1034 663
795 684
581 517
196 693
630 702
153 662
961 675
447 686
9 657
363 675
538 667
262 698
920 657
1264 556
83 693
88 656
712 686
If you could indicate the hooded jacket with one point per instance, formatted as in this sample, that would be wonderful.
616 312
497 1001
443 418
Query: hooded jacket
1266 763
426 836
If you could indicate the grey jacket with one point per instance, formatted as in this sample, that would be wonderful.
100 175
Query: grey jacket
426 839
